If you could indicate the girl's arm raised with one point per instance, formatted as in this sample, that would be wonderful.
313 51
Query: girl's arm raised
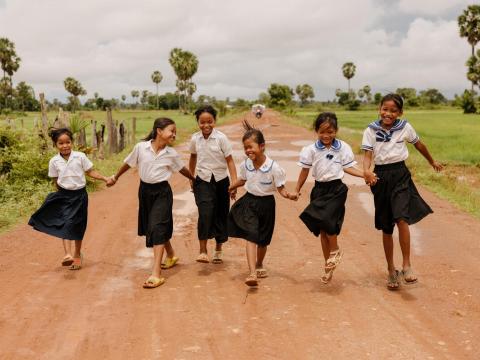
424 151
185 172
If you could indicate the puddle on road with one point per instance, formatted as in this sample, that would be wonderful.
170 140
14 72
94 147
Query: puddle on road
301 143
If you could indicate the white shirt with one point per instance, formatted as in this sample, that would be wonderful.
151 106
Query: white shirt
327 163
154 168
71 172
389 146
211 154
265 180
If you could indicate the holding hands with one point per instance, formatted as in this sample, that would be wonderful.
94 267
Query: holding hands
111 181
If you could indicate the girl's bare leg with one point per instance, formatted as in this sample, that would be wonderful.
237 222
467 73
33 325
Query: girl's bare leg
388 248
261 252
169 249
404 235
325 245
67 247
251 256
78 247
157 260
332 242
203 246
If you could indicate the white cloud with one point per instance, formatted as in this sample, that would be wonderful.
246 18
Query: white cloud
430 7
112 47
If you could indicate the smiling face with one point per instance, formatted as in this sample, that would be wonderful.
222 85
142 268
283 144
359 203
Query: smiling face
389 112
168 134
206 123
326 134
253 150
64 144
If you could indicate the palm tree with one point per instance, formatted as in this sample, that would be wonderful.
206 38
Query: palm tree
348 70
74 87
9 62
135 94
473 73
367 90
469 25
157 78
185 65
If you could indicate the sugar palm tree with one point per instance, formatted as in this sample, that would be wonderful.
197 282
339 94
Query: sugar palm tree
135 94
473 73
157 78
348 70
74 87
9 62
185 65
469 26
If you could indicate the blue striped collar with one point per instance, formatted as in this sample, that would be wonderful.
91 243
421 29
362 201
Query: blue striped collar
336 145
266 167
398 124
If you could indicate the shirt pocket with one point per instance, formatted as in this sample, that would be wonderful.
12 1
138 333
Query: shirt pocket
214 148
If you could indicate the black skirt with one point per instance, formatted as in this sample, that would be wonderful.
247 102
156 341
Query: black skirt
155 220
326 210
396 197
253 218
213 202
63 214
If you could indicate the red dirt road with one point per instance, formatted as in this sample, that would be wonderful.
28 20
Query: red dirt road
205 311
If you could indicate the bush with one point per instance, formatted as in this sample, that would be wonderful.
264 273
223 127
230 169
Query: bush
467 102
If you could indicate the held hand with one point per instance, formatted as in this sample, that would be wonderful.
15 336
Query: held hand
233 194
111 181
370 178
191 185
437 166
293 196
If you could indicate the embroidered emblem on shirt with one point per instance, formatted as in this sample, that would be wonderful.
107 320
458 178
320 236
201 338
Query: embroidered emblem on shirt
329 156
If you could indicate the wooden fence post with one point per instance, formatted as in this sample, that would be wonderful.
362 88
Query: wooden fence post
43 108
112 133
121 133
134 130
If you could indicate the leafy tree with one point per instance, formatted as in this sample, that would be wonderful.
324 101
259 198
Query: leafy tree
25 97
157 78
348 70
144 98
280 95
304 93
469 26
185 65
135 94
473 73
124 97
377 98
432 96
74 87
9 62
467 102
241 103
263 98
409 96
361 94
368 94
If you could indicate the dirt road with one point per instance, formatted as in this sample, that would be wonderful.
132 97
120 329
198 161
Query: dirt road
205 311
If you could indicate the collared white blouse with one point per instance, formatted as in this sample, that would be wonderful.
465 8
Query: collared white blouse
262 181
71 172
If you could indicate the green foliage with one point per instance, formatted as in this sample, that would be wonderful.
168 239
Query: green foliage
432 96
280 95
469 24
467 102
304 93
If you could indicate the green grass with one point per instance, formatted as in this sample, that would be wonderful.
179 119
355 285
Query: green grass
19 201
451 137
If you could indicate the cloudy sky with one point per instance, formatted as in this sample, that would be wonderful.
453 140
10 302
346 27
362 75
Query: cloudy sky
112 46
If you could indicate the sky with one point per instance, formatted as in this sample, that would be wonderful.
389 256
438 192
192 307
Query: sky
113 46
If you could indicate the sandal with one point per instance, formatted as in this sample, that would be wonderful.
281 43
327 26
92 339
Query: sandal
327 276
217 257
334 259
409 276
153 282
77 263
203 258
261 272
392 281
169 262
251 280
67 260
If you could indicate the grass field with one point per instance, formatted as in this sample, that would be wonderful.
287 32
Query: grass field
18 201
451 137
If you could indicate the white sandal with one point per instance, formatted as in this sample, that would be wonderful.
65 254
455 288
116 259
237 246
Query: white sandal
334 259
217 257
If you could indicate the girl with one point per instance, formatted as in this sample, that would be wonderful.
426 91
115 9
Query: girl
211 155
64 213
252 217
396 198
156 161
329 158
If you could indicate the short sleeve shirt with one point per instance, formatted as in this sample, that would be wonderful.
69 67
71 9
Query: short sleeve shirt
262 181
389 146
327 163
211 154
154 167
70 173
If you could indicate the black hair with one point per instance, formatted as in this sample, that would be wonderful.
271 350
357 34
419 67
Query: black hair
326 117
250 132
55 133
206 109
160 123
397 99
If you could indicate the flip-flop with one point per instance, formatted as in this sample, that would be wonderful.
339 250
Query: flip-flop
261 273
408 276
203 258
170 262
67 260
334 259
392 281
77 263
153 282
327 276
217 257
251 280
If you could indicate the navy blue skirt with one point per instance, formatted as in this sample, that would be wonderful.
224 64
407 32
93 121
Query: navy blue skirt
155 219
396 197
253 218
326 210
63 214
